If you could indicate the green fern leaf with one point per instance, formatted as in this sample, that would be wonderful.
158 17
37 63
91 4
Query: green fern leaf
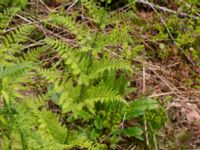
52 124
100 67
18 35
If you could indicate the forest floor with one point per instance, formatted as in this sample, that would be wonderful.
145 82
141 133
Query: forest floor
172 80
163 72
181 103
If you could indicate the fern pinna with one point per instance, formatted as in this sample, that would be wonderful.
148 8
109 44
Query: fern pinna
82 97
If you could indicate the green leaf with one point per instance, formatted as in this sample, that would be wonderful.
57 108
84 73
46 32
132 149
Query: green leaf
1 71
84 114
95 133
139 107
133 132
55 97
98 123
52 124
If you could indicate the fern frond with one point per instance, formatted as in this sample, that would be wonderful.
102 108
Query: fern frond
18 35
122 16
13 72
6 16
90 6
10 3
119 35
80 140
99 15
27 119
68 23
67 95
32 55
7 55
70 57
100 67
69 104
50 122
60 46
51 75
9 77
101 94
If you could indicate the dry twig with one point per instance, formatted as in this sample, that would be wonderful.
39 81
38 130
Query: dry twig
164 9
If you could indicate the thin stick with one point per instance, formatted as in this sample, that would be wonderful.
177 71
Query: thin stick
155 142
160 94
122 124
165 9
143 89
143 78
43 3
26 20
72 5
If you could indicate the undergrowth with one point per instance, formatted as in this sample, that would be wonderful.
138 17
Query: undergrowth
65 78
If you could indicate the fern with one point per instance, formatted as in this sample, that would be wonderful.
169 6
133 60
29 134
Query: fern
102 94
8 55
51 75
9 77
19 35
70 57
60 46
98 15
65 21
6 16
51 123
10 3
122 16
83 89
100 67
15 71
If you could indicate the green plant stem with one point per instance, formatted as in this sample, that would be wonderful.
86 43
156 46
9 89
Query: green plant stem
10 123
89 54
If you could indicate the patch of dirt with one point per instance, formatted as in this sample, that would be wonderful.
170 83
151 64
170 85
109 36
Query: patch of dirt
167 82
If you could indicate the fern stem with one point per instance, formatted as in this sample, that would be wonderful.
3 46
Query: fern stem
24 143
89 54
10 122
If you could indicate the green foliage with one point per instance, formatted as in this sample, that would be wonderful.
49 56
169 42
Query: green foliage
140 106
9 86
6 16
133 132
50 122
12 3
82 101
